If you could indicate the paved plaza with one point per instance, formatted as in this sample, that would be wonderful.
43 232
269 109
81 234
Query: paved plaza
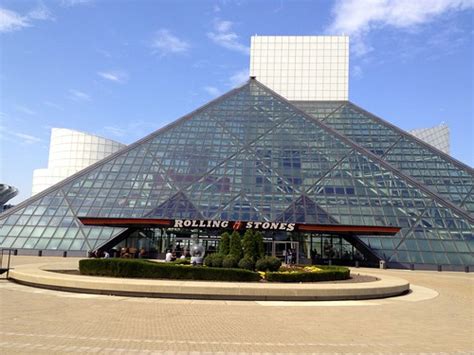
438 317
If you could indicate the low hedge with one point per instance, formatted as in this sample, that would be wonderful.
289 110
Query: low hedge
151 270
327 273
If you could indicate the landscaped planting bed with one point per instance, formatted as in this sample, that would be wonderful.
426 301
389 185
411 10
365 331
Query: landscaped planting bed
175 271
238 259
308 274
151 270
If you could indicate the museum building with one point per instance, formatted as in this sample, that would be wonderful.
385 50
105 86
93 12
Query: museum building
323 177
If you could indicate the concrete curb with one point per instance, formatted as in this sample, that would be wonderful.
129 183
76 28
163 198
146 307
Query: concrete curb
37 275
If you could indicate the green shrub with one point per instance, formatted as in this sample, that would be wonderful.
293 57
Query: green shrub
186 261
328 273
214 260
224 244
217 260
246 263
209 259
151 270
252 245
260 248
268 263
235 245
248 245
230 261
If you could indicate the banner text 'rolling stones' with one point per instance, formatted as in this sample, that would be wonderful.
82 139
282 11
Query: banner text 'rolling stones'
235 225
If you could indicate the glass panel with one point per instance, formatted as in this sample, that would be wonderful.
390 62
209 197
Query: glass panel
451 180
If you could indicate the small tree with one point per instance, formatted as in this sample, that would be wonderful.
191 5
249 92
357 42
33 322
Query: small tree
235 245
248 244
224 245
259 246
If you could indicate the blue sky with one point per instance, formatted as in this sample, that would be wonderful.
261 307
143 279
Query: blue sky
122 69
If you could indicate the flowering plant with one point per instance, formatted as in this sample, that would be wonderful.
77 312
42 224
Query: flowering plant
288 269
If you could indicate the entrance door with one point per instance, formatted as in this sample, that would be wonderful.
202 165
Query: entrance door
287 252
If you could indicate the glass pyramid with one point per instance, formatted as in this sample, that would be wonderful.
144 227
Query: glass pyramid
249 155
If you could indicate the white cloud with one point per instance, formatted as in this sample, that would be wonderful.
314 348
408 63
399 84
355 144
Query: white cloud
53 105
105 53
223 36
202 63
223 26
26 110
41 13
239 77
357 18
77 95
27 138
114 75
166 43
70 3
11 21
357 72
18 137
115 131
131 131
212 90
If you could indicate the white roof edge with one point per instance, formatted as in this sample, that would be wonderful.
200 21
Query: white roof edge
86 134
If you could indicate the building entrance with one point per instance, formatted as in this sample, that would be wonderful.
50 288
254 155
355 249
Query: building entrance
288 252
290 248
299 243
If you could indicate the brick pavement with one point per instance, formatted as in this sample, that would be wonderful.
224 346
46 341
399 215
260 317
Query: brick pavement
37 274
51 322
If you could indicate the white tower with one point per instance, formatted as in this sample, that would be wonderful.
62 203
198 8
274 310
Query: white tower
302 67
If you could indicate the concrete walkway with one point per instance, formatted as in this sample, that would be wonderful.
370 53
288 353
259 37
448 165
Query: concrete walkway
437 317
42 275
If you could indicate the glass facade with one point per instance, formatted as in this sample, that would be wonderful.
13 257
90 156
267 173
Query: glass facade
450 179
319 248
250 155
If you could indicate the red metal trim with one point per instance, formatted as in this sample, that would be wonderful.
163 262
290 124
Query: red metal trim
323 228
348 229
125 222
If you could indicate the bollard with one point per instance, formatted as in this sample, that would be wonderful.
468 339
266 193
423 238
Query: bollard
64 254
15 252
466 269
440 268
40 253
412 267
357 263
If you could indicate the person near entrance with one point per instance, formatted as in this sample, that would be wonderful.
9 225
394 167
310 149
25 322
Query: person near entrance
169 256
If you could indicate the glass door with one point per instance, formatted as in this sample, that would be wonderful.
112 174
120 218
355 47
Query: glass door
287 252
